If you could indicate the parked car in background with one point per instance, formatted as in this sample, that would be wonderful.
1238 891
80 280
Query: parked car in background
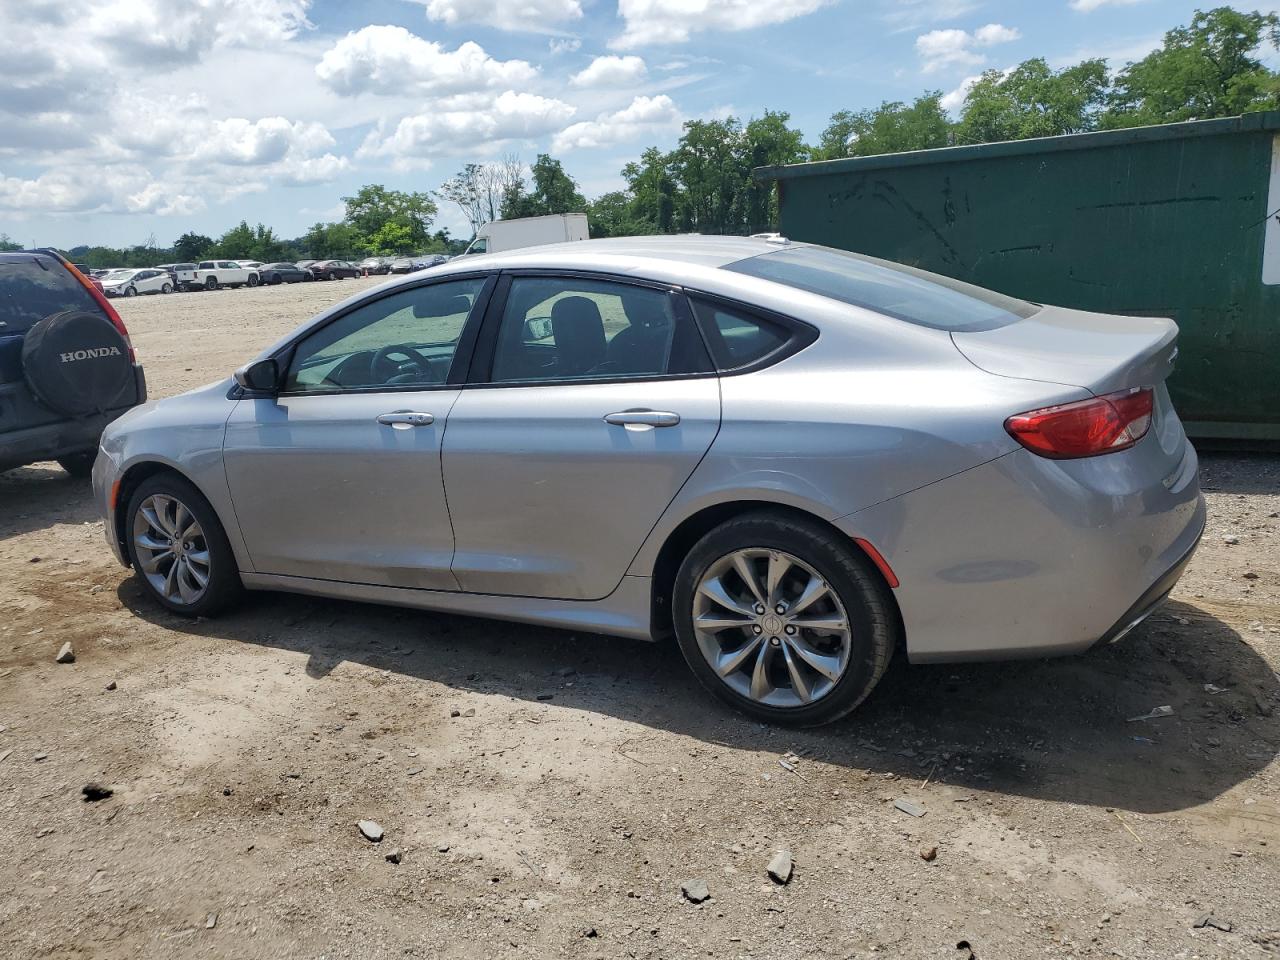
428 260
304 264
211 274
274 273
797 460
88 275
66 365
375 266
182 274
334 270
130 283
401 265
502 235
248 264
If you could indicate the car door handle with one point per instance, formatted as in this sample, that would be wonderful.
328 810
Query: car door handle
405 418
643 418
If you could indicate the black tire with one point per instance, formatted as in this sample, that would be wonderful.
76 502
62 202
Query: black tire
253 279
167 288
275 280
211 283
331 276
130 291
875 626
79 465
224 588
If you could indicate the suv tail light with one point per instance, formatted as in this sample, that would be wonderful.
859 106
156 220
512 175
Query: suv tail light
105 304
1115 421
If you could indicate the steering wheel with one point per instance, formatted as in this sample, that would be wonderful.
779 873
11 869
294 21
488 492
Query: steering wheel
383 365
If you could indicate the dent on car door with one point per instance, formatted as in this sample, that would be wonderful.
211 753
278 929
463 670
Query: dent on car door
338 477
597 406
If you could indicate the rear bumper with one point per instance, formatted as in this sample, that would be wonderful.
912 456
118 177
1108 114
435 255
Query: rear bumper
1027 557
1151 600
62 438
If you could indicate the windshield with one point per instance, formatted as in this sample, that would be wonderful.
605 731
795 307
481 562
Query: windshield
119 275
906 293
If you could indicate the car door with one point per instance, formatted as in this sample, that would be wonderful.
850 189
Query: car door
589 405
338 476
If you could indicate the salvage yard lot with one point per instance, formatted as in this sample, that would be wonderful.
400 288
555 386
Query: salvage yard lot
585 779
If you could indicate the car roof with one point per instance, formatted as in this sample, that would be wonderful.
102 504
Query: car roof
705 251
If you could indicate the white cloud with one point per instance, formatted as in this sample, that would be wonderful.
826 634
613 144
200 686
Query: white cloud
417 139
391 60
675 21
903 15
1088 6
559 45
610 71
643 116
953 100
94 189
536 16
940 49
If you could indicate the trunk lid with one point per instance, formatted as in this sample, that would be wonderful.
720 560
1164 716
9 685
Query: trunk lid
1097 351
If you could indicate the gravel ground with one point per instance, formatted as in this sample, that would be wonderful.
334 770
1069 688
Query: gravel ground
584 779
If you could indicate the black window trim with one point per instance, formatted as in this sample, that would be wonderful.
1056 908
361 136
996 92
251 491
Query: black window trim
457 365
480 372
803 334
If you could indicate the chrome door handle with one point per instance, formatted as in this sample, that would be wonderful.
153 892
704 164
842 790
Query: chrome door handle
406 418
643 418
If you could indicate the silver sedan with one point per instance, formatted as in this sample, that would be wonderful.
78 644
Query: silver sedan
798 461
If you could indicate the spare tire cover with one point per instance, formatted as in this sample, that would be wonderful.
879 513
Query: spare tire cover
77 364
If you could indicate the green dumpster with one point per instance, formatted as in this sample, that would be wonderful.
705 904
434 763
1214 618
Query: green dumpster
1178 221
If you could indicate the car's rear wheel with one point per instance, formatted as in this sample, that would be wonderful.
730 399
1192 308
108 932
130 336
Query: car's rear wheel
79 465
179 549
784 619
331 275
167 288
211 283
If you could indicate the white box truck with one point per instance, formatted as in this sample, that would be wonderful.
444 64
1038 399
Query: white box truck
499 235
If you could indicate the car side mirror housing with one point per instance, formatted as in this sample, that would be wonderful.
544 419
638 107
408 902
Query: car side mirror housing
261 376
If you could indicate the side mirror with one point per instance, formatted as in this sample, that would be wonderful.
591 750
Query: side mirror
537 328
261 376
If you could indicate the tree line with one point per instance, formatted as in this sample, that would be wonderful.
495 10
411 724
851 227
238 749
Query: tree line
1205 69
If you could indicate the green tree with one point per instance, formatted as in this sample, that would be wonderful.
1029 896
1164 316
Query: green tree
553 191
266 246
326 241
374 208
393 237
652 189
1203 70
892 127
236 243
613 215
708 166
192 247
767 141
8 244
1033 100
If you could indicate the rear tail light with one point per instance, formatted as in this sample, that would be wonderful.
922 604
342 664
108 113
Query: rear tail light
1087 428
107 308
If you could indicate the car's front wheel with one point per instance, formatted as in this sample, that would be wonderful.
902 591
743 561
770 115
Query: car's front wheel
784 619
167 288
179 549
130 292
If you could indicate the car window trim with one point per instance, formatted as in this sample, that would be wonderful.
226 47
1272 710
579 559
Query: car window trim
466 340
803 334
480 371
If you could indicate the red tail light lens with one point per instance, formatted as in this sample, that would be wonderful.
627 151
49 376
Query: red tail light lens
1087 428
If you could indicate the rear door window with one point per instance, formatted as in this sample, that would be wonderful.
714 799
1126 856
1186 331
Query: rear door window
34 286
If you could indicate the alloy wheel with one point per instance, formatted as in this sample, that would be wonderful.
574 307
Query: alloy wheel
771 627
172 550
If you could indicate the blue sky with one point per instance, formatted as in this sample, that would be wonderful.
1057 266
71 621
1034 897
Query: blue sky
122 119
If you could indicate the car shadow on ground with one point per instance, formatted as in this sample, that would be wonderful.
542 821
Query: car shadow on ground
1051 729
36 497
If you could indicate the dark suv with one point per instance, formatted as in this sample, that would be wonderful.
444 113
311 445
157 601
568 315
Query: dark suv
67 368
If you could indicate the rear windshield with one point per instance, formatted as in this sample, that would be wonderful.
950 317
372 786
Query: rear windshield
906 293
34 286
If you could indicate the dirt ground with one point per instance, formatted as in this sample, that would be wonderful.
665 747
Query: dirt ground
587 778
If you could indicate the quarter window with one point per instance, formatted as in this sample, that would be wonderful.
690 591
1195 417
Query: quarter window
738 338
404 340
562 328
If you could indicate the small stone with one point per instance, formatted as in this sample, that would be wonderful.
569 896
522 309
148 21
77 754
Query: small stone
211 921
111 685
910 808
1250 575
372 831
695 891
442 847
455 712
39 757
67 654
928 854
590 933
469 712
1209 920
780 867
1231 539
93 792
394 855
545 696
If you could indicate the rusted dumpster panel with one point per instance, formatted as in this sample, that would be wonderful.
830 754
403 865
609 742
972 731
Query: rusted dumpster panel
1180 221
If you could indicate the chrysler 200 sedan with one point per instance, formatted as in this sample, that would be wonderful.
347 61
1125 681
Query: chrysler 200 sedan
796 460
